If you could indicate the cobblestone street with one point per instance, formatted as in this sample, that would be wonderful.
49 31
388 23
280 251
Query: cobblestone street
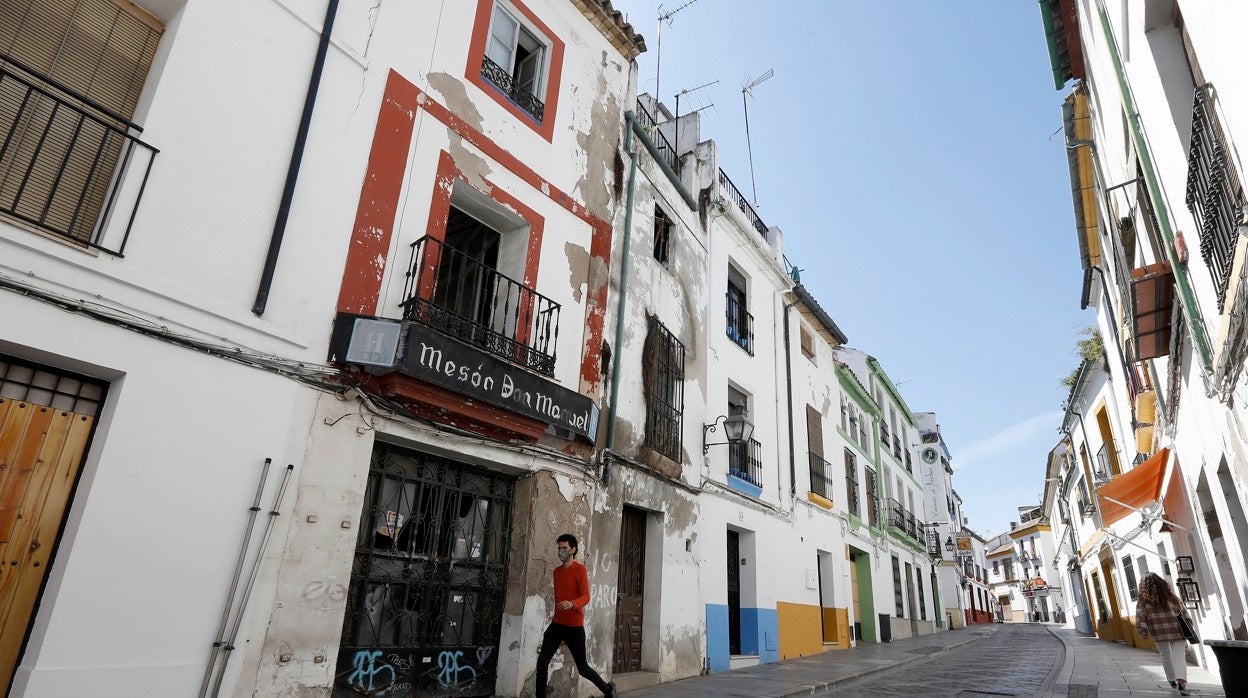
996 660
1014 661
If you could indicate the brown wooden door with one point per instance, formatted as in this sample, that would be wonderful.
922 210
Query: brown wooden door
40 451
631 596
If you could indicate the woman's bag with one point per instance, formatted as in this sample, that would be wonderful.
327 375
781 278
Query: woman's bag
1185 626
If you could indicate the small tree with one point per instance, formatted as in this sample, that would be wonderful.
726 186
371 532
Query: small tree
1090 347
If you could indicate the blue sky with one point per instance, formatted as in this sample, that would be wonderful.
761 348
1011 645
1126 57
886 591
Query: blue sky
907 150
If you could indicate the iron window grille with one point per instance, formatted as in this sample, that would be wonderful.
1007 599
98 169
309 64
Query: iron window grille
662 236
851 483
820 475
663 375
898 599
740 323
40 385
745 462
457 294
68 165
884 436
430 568
1214 193
873 504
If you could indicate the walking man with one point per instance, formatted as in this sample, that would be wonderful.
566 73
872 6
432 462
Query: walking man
568 625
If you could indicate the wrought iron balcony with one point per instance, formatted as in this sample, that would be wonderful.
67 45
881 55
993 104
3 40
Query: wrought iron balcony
896 447
503 80
901 519
884 434
745 461
737 198
661 144
1103 465
68 166
1214 193
459 296
821 480
740 325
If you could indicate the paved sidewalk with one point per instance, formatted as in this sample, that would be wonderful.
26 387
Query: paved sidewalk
818 673
1096 668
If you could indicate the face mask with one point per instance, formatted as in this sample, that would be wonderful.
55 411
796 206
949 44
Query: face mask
564 555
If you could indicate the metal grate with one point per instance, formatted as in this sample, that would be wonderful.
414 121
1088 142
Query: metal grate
1214 194
851 483
40 385
663 359
425 604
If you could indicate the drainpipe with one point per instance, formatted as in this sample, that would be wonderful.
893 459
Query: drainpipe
296 159
619 320
1161 208
788 384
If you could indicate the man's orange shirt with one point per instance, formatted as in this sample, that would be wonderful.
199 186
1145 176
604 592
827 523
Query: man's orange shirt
571 584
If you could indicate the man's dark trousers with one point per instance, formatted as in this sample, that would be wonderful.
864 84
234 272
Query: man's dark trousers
574 637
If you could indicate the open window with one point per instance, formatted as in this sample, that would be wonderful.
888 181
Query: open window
516 60
662 236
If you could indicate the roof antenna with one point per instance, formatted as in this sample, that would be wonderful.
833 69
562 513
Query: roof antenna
658 58
686 91
748 89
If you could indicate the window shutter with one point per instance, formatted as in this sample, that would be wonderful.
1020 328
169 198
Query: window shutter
814 430
808 342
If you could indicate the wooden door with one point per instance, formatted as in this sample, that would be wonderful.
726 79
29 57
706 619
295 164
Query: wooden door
631 596
41 450
734 593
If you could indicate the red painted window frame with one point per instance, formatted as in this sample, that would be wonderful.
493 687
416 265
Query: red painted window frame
476 52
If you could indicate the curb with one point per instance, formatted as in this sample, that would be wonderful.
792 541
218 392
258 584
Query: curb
828 686
1064 667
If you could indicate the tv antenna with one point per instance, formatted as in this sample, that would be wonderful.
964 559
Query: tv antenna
747 90
689 90
658 57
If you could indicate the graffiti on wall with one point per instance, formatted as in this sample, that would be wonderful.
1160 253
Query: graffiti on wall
466 671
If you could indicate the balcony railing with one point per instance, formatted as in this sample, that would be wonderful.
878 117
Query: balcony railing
458 295
498 75
737 198
1103 463
68 166
745 461
896 447
740 325
661 144
1214 194
884 437
821 478
901 519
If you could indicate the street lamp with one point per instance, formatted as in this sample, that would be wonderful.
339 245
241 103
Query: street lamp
737 428
949 544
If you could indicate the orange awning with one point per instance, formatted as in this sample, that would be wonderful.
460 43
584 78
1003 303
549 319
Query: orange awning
1134 488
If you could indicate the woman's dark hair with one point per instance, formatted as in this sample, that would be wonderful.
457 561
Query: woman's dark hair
570 540
1155 591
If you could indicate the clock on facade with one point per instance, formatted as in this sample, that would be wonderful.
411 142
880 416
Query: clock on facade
929 455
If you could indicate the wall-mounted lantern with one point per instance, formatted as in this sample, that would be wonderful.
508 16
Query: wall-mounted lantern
1186 566
1189 590
737 428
